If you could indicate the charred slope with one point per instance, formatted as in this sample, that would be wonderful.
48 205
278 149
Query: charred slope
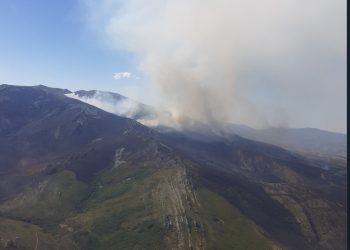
295 202
43 131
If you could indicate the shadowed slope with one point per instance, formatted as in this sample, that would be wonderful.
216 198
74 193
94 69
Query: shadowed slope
93 180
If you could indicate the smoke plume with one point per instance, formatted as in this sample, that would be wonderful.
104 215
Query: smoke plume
120 106
232 60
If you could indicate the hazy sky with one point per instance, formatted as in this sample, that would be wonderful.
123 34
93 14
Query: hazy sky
263 63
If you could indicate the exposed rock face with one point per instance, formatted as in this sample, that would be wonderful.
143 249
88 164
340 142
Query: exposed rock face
179 207
118 157
298 204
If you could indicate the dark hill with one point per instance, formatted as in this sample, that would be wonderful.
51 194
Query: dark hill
73 176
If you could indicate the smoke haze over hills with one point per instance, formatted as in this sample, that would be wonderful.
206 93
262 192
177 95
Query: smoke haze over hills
267 63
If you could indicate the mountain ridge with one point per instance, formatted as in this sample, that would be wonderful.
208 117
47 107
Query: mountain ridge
88 179
313 142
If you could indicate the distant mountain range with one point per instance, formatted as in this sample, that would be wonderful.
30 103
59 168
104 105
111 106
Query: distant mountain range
73 176
311 140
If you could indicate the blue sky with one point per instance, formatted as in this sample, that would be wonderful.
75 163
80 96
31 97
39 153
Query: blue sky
287 61
48 42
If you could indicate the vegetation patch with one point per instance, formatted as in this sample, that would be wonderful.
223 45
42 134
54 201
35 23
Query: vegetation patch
51 200
20 235
120 214
226 228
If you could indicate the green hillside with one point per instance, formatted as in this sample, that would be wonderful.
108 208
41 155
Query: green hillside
126 209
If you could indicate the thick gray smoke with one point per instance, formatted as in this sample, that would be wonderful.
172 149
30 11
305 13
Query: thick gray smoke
232 60
122 106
